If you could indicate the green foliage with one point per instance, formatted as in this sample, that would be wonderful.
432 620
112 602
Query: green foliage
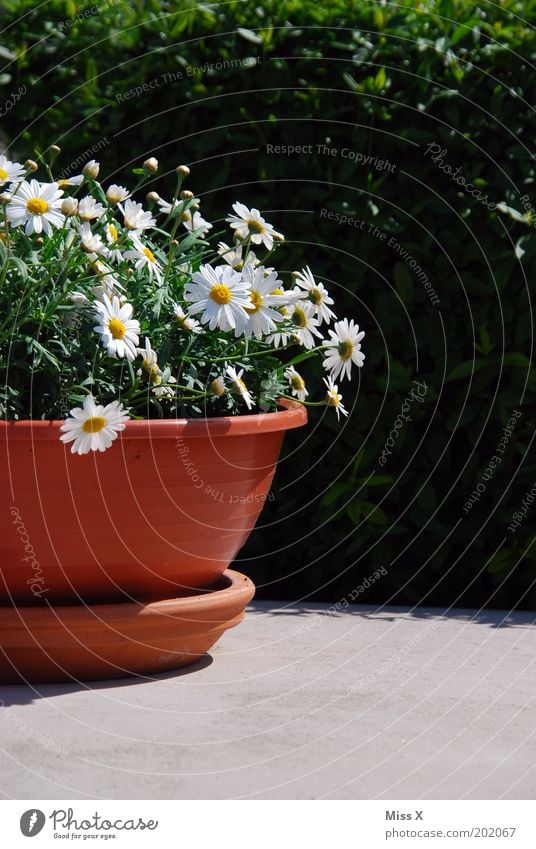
426 88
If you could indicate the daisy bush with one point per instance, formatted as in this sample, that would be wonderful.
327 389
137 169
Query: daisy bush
118 304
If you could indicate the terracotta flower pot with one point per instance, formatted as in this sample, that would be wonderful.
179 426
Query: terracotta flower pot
165 509
45 644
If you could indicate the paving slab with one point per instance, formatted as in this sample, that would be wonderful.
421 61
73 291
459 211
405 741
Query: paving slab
298 702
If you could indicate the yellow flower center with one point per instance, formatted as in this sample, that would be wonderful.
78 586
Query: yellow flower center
345 349
256 302
297 382
37 206
149 254
255 226
117 328
62 182
333 398
3 238
299 317
186 216
112 230
240 385
315 295
3 174
221 294
277 292
94 424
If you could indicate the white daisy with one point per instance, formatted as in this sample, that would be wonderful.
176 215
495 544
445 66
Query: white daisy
91 169
317 294
194 222
165 391
221 296
77 180
149 365
135 217
91 243
145 258
112 237
184 320
119 331
297 383
116 194
89 208
279 339
333 398
306 323
261 312
37 206
249 224
109 286
10 172
343 348
93 427
234 256
166 207
239 386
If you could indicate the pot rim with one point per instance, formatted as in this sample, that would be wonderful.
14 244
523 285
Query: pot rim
230 587
293 415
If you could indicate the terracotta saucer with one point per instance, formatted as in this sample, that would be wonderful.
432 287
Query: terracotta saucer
92 642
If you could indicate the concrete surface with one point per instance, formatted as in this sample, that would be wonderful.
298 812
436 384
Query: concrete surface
297 704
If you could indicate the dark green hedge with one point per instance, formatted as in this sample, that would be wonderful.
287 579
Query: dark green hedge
436 274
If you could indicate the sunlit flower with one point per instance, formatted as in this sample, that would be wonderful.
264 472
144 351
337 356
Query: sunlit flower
344 348
235 256
69 206
77 180
135 216
317 294
119 331
93 427
149 366
91 243
91 169
112 238
306 324
221 296
166 207
185 321
116 194
333 398
261 312
89 208
297 383
195 222
10 172
239 386
37 206
145 258
249 224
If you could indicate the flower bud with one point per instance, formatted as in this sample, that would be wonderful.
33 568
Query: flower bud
69 206
91 169
55 148
151 165
153 197
182 169
30 165
217 387
187 195
5 197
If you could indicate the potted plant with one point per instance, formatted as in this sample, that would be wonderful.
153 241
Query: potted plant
148 378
